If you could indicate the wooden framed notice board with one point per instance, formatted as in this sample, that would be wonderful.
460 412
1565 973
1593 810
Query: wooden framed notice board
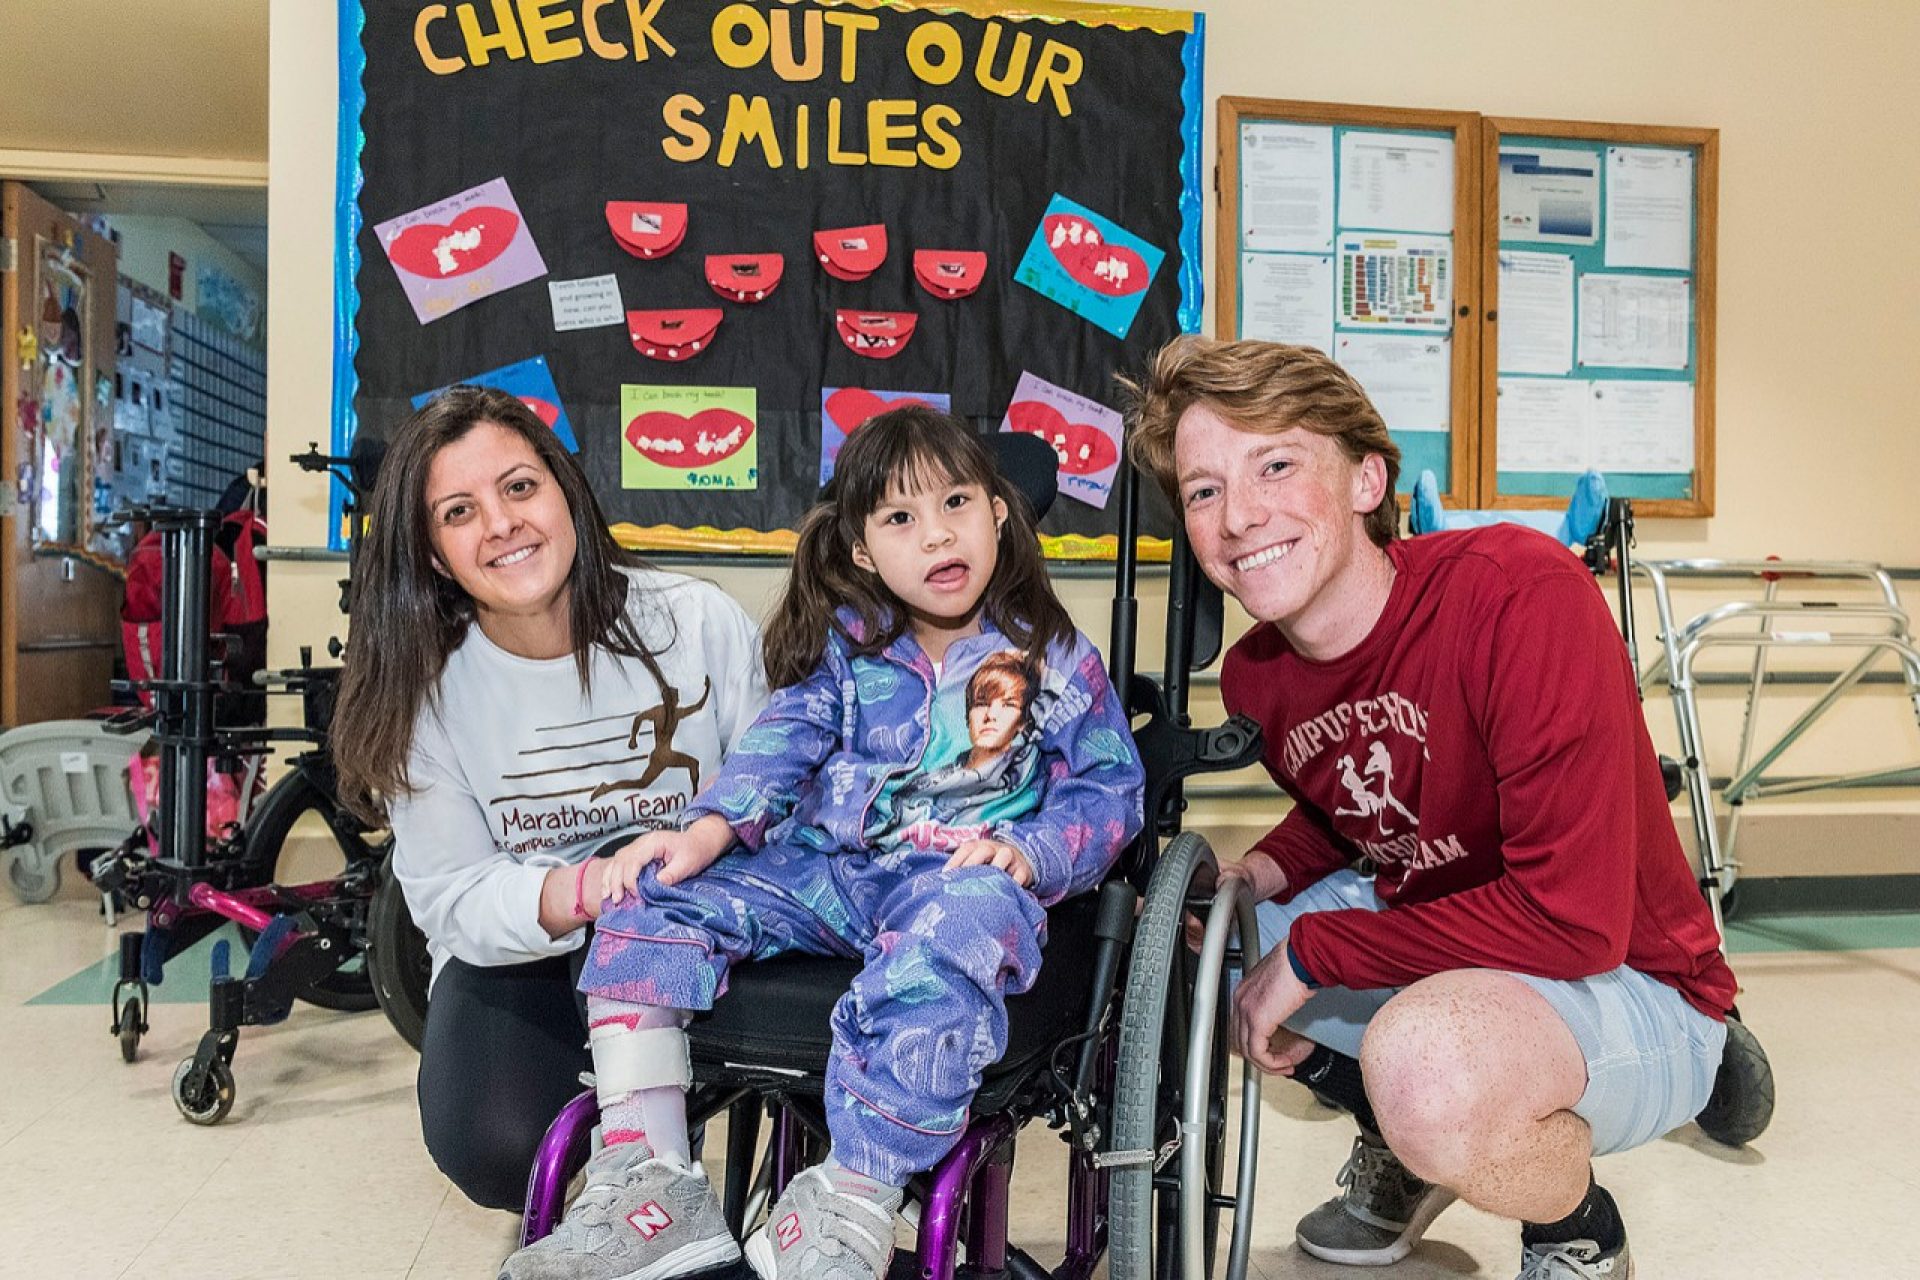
1524 300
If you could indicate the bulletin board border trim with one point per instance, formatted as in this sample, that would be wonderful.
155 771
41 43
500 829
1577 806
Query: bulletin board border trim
346 254
704 539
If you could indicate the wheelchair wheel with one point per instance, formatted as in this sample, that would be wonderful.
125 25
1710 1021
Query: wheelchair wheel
397 959
1150 1087
299 834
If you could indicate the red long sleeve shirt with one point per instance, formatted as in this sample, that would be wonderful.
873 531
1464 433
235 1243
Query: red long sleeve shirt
1484 747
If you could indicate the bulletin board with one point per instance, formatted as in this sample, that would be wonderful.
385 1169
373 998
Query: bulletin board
704 240
1599 289
1355 230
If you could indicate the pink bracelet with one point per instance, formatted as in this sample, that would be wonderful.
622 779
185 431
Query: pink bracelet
580 891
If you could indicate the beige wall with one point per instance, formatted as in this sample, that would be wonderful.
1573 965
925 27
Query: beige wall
1819 116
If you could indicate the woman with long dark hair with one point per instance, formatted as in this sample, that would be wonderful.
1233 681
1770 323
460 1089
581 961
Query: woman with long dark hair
518 692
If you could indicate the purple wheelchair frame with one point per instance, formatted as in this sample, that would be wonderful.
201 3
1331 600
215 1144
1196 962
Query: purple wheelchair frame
966 1191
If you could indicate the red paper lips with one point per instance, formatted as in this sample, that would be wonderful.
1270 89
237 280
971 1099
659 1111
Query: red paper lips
744 277
439 250
851 253
1083 449
673 335
1111 269
848 407
647 230
675 440
877 335
949 273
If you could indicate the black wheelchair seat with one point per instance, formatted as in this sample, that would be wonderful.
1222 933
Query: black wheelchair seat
772 1024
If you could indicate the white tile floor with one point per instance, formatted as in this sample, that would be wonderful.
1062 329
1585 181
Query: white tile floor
320 1172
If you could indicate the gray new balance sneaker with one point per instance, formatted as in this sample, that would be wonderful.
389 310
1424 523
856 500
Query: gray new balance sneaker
816 1233
1379 1217
640 1217
1577 1260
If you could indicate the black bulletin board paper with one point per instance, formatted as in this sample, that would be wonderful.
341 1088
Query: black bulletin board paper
426 120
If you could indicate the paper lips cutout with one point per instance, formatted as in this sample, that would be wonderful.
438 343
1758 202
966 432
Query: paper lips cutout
1083 449
949 273
877 335
673 335
744 277
545 410
439 250
675 440
849 407
647 230
1111 269
851 253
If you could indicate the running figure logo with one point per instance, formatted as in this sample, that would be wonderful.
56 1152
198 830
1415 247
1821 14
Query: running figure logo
665 720
1369 804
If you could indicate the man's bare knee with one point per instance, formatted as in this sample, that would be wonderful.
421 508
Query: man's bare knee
1425 1082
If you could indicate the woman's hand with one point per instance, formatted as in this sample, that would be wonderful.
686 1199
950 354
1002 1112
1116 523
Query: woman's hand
993 853
570 896
681 854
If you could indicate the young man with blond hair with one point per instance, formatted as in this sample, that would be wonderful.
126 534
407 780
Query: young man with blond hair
1526 976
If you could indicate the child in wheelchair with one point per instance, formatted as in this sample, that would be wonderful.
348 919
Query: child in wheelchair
943 757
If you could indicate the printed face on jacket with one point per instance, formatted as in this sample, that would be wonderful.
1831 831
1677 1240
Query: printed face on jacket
982 761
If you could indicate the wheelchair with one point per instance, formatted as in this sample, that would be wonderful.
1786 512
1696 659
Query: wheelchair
310 941
1120 1047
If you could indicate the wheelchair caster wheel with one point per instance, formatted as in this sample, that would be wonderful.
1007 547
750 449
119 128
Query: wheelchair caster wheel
132 1025
210 1102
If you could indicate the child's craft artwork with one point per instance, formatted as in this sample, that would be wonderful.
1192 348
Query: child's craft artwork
530 380
744 277
456 251
949 273
1084 434
1090 265
851 253
842 409
647 230
673 336
877 335
689 437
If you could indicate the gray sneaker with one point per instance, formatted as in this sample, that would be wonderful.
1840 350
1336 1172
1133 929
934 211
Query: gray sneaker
1379 1217
640 1217
1576 1260
816 1233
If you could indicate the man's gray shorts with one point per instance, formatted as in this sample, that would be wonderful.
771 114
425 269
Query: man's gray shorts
1651 1056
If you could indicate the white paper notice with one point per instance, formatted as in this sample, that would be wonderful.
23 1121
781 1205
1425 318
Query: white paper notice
1396 182
589 303
1549 195
1536 313
1641 426
1649 208
1287 297
1409 377
1286 187
1632 322
1542 425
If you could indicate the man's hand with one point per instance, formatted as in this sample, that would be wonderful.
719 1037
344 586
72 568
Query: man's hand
1269 995
1260 874
680 854
994 853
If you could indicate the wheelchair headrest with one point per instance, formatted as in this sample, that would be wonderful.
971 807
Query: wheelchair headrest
1030 465
364 460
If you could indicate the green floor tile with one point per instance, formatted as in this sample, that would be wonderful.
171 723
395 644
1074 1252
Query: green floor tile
1865 932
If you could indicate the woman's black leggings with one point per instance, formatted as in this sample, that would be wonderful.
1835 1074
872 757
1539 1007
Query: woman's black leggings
503 1052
